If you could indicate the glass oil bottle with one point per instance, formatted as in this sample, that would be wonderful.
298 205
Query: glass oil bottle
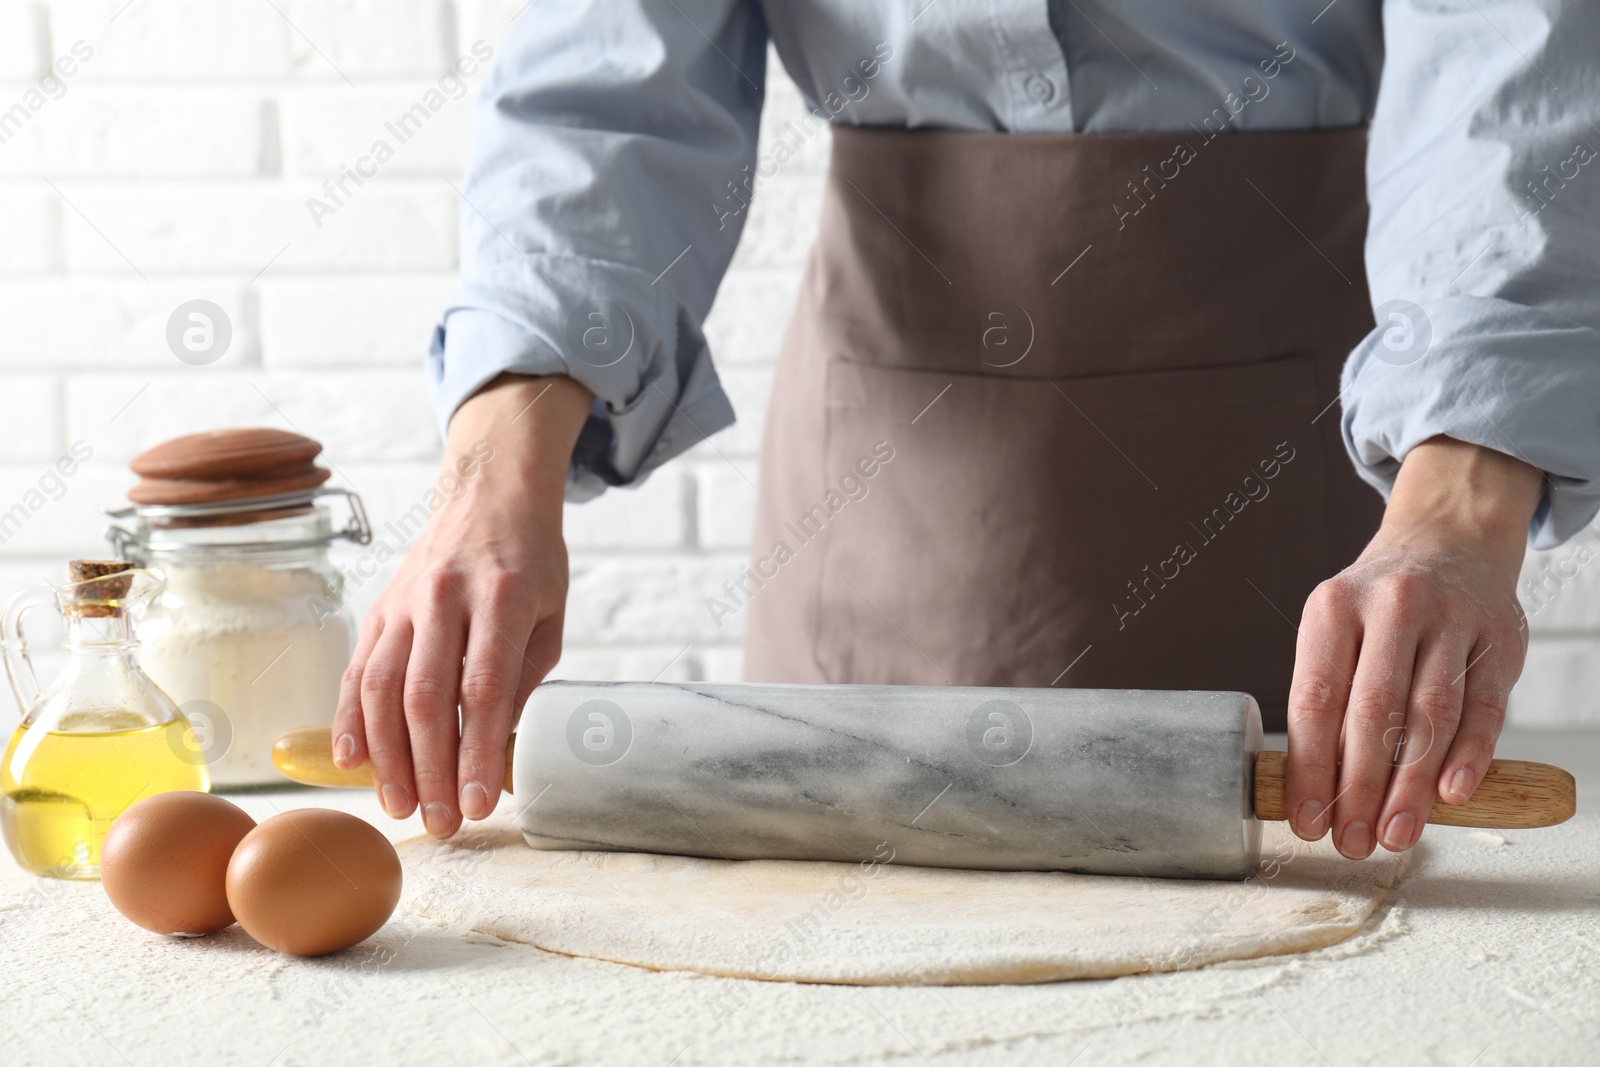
100 737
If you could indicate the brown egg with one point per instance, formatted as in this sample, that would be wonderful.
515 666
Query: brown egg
313 881
164 862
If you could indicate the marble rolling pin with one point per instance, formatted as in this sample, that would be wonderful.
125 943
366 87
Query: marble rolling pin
1118 781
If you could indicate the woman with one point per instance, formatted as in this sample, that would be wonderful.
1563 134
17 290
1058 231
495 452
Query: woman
1058 401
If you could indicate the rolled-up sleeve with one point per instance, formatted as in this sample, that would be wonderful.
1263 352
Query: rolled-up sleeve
597 221
1483 250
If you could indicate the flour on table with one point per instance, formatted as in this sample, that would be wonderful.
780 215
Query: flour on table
878 923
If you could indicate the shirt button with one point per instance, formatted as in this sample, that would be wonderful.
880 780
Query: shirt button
1039 88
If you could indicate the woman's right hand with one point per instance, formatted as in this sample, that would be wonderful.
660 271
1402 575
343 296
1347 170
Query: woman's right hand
473 618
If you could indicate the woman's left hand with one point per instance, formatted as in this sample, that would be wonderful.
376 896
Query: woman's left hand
1406 658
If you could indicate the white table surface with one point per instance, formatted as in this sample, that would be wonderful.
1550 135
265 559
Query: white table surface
1488 953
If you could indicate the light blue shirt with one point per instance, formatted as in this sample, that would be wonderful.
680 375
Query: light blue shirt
616 141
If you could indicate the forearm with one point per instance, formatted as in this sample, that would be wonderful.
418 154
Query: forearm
520 431
1462 499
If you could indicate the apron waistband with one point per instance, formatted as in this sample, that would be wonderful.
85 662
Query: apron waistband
1120 250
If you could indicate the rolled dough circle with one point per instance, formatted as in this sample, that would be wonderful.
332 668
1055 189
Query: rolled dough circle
878 923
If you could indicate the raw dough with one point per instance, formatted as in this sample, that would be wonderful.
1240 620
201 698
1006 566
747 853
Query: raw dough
883 924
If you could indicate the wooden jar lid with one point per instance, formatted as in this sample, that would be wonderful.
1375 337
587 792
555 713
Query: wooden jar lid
222 465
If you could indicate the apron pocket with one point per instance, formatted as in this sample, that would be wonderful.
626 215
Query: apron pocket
1155 530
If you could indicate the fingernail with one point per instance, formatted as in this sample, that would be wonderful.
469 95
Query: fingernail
436 817
1356 841
1398 834
1306 819
474 801
344 749
393 799
1461 783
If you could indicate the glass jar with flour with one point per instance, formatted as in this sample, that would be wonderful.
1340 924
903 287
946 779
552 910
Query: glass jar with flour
251 633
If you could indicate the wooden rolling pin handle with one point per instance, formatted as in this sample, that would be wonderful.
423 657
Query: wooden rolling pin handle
1513 795
305 755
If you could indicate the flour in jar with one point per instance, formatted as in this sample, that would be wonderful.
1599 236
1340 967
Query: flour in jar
263 645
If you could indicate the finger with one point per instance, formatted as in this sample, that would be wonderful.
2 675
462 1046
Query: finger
349 728
1324 663
1377 706
1433 711
382 710
496 638
538 660
1491 672
432 689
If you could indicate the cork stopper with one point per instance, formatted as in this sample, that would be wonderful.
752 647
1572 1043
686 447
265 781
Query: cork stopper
102 599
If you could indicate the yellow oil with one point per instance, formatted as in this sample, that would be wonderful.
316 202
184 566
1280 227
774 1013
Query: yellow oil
60 789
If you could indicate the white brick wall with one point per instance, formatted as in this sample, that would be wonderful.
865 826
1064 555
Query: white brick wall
30 219
83 323
175 165
245 228
21 42
325 129
99 132
320 323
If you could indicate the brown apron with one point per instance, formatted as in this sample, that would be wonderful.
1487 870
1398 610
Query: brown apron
1061 410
